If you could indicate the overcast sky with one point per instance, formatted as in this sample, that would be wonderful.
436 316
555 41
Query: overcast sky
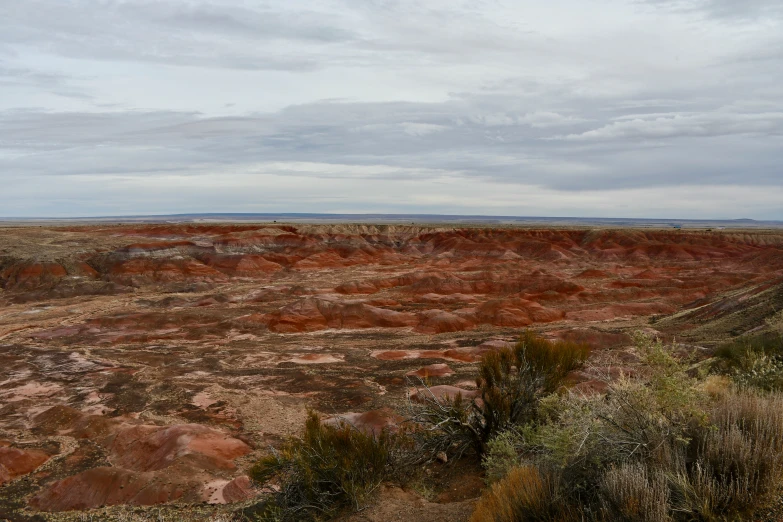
610 108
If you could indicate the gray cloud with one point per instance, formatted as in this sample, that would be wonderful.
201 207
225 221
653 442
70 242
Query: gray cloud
731 11
168 32
462 137
657 126
384 105
23 77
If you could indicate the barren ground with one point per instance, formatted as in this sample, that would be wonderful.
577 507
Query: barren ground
151 364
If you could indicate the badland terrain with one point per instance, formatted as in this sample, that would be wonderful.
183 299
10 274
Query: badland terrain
152 364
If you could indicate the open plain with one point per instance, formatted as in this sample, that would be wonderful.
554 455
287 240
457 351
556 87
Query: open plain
151 364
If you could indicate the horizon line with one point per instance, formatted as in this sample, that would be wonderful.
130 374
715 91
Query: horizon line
316 215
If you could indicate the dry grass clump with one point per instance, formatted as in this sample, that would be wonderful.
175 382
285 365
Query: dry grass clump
630 493
740 458
657 448
329 468
526 493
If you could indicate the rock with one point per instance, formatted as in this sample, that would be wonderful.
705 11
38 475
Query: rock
433 370
15 462
373 421
150 448
439 321
443 393
238 489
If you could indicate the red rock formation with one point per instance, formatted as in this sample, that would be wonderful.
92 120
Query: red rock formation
433 370
200 308
443 392
373 421
105 486
241 265
15 462
151 465
238 489
142 270
439 321
30 275
150 448
316 314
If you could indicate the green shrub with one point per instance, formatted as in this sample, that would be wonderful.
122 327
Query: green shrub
775 324
647 417
754 362
328 469
502 455
657 447
511 382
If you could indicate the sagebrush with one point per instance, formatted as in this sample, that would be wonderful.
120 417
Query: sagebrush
658 447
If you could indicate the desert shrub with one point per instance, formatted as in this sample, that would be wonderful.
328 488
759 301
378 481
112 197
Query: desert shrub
645 418
503 454
775 324
758 370
526 494
657 447
739 457
630 493
755 362
511 382
443 425
327 469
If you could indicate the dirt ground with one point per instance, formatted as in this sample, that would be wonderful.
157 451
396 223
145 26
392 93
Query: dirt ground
152 364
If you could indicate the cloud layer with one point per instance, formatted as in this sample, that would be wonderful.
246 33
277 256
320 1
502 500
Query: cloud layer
615 108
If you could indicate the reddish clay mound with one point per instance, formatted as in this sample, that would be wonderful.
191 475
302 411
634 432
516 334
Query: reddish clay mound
15 462
593 274
150 448
150 464
241 265
104 486
594 338
31 275
373 421
444 392
146 248
465 354
317 314
516 313
144 271
433 370
438 321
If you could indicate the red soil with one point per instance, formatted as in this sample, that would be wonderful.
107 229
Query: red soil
150 464
433 370
170 346
15 462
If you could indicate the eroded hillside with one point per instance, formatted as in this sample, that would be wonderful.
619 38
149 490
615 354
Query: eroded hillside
152 364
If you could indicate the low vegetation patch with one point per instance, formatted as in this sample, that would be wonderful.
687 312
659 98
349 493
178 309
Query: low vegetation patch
328 469
659 447
510 384
755 361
